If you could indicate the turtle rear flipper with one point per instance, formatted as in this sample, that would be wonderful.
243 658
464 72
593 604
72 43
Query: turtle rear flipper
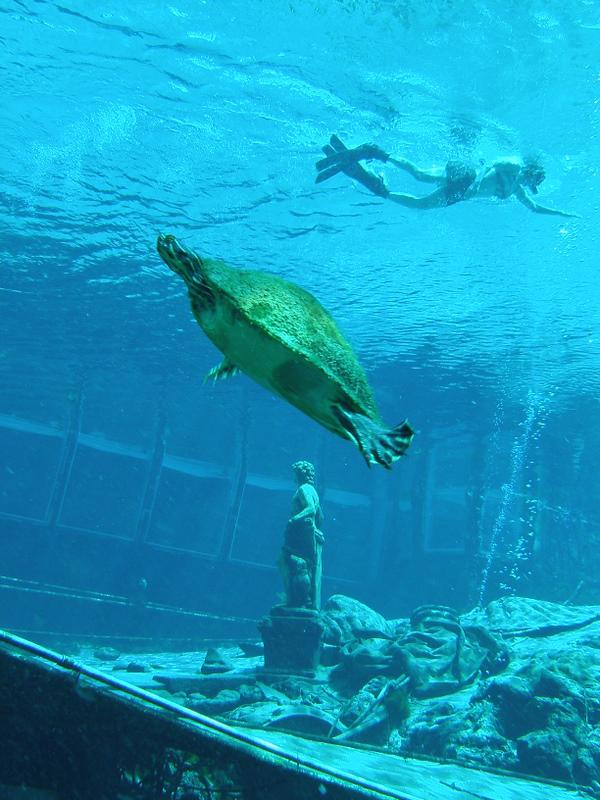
376 443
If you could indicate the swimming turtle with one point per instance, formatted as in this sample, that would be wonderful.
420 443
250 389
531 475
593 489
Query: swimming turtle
283 338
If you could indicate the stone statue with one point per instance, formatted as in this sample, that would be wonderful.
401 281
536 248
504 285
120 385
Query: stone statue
300 558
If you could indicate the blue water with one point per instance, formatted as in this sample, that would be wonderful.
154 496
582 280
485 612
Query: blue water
142 508
478 322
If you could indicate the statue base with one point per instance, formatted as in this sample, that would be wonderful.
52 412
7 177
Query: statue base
292 639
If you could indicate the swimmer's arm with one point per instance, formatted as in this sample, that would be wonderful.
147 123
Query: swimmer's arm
434 175
529 203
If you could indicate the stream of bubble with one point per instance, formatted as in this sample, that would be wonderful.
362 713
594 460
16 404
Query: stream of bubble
508 491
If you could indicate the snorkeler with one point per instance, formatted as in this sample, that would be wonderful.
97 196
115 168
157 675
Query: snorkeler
458 181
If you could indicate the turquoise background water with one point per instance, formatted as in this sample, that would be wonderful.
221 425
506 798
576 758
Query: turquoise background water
479 322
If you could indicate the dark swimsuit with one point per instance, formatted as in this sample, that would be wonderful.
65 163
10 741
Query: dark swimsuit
459 179
505 181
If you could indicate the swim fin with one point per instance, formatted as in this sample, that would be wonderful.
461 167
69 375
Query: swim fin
340 159
325 174
337 154
328 167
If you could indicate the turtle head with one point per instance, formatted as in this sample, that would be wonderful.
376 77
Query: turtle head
178 258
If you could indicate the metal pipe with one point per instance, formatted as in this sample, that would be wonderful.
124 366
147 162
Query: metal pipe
21 585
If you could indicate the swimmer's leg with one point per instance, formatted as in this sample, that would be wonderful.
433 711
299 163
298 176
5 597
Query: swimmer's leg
437 199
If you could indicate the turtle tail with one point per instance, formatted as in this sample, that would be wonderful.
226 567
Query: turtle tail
377 444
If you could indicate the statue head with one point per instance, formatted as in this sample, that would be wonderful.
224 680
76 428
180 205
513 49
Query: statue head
304 472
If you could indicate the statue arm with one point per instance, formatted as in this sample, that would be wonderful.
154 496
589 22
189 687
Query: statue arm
309 504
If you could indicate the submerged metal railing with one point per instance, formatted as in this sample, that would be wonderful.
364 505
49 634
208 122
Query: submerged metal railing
34 587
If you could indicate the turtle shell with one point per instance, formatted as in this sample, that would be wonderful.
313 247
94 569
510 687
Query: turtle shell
293 317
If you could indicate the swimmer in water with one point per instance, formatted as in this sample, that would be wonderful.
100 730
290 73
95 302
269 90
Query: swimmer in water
457 181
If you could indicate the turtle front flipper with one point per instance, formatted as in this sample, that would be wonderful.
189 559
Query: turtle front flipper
223 370
376 443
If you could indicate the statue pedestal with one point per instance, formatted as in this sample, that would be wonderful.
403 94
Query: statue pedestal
292 639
